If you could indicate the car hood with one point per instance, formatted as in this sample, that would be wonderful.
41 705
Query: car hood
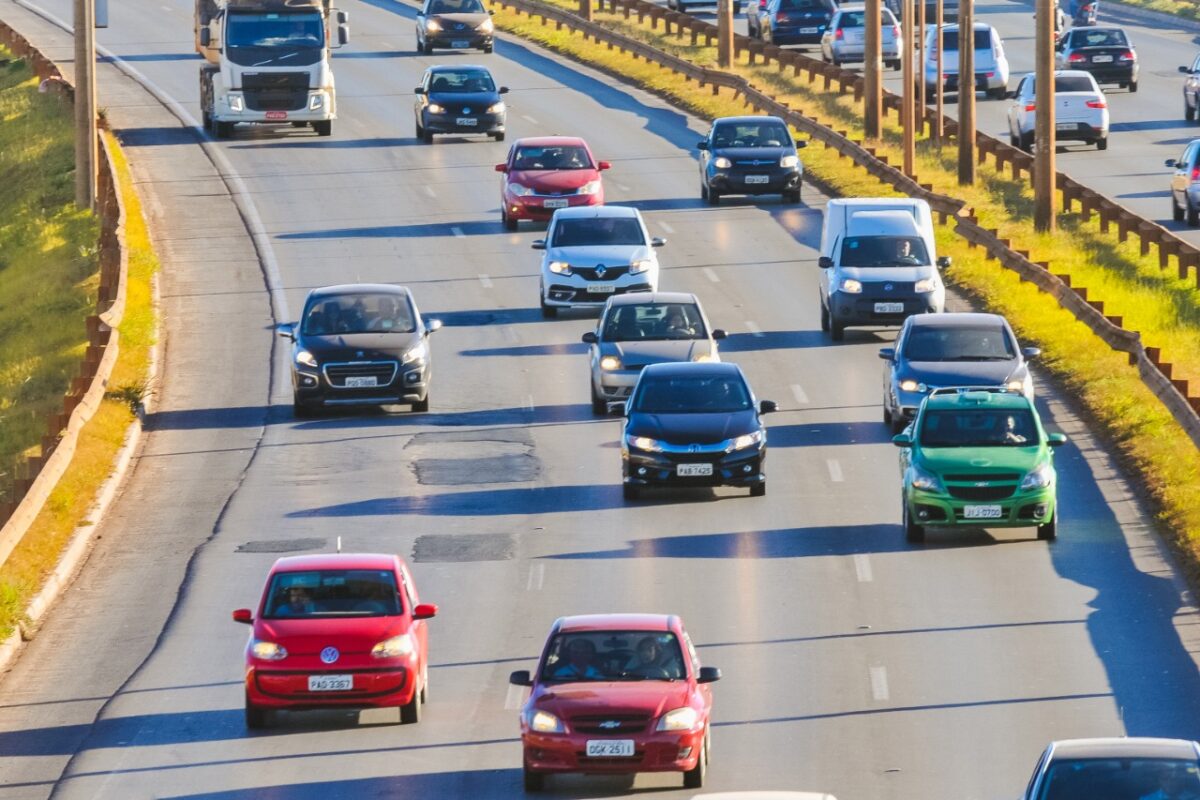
653 698
693 428
481 99
961 373
654 352
768 154
888 274
311 636
591 255
553 180
359 346
471 20
980 460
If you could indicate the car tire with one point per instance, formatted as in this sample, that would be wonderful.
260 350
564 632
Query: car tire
421 406
424 684
997 93
207 121
836 332
694 777
302 410
1133 86
1189 113
759 489
837 62
257 717
534 781
912 532
1027 142
427 48
509 223
712 197
499 137
410 712
599 405
1176 210
630 492
824 318
548 312
1048 532
1193 216
323 127
426 136
489 48
1102 144
893 64
222 130
792 196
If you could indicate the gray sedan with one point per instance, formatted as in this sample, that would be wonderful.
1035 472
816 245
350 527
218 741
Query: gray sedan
644 328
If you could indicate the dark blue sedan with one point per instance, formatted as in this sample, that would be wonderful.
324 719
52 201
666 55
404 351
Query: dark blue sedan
461 99
750 156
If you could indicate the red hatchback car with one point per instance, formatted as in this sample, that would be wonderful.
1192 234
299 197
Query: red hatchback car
547 173
617 693
337 631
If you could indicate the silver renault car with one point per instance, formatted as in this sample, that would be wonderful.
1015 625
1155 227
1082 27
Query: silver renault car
645 328
593 253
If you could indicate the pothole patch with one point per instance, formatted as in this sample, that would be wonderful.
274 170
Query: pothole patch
467 458
461 547
281 545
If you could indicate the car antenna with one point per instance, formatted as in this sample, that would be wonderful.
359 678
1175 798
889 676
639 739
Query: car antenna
339 544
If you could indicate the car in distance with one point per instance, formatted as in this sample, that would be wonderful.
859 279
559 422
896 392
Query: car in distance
1106 53
456 24
1191 89
342 630
684 5
645 328
991 63
459 99
845 39
360 344
1136 767
1185 184
547 173
978 457
593 253
934 351
694 424
749 156
617 693
784 22
1080 115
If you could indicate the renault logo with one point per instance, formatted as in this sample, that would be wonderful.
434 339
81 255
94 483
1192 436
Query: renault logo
610 724
330 655
600 270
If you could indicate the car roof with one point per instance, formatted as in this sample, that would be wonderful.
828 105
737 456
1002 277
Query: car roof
549 141
359 288
979 399
882 223
684 368
1125 747
614 622
458 67
335 561
637 298
957 319
749 118
1090 28
596 212
979 26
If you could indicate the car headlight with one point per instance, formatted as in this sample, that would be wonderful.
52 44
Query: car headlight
496 108
414 354
236 102
1039 478
681 719
851 286
610 362
909 385
748 440
487 26
559 267
316 102
640 265
519 189
926 481
644 443
1022 385
432 25
306 358
394 647
434 108
789 161
267 651
721 162
545 722
926 285
591 187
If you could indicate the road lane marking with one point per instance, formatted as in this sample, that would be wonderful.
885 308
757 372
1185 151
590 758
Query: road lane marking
429 190
622 187
755 331
529 119
712 276
835 470
485 281
537 576
457 231
529 402
515 698
879 683
862 568
666 227
798 393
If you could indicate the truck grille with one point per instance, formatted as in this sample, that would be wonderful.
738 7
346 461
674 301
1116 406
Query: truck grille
275 91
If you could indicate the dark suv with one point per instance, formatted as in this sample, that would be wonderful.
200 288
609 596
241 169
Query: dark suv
789 21
750 155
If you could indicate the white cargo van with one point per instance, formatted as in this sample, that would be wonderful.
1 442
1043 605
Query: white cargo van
839 211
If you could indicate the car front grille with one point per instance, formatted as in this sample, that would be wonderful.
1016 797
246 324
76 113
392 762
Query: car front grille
603 724
972 478
384 373
275 91
591 273
980 492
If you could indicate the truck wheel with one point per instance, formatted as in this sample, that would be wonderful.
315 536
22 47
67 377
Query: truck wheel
323 127
206 119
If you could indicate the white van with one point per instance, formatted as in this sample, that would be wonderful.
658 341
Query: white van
881 267
839 211
991 64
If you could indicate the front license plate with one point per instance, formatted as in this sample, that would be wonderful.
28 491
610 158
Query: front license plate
609 748
274 115
1065 126
466 122
459 43
361 381
330 683
982 512
889 308
555 203
758 178
1101 59
693 470
808 30
601 288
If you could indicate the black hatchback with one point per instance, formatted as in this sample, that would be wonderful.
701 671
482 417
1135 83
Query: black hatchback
459 99
750 156
694 424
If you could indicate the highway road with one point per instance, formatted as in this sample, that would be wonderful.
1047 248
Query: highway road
854 663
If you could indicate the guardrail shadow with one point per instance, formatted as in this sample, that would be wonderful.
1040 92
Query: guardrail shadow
368 416
456 783
828 434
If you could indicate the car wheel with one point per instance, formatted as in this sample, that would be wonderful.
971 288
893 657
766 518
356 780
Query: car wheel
599 405
997 93
548 312
534 781
893 64
489 48
630 491
510 223
1027 142
426 48
323 127
206 119
222 130
694 777
421 405
824 317
759 489
1193 216
792 196
912 531
837 62
302 410
1048 532
424 684
426 136
1176 210
1133 86
836 332
1102 144
499 136
1189 113
257 717
410 712
713 197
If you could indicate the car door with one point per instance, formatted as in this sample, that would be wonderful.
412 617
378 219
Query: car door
706 156
412 599
421 15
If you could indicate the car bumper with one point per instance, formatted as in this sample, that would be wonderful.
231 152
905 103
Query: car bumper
1110 74
856 309
731 181
1080 131
1021 510
983 81
799 35
739 468
449 123
614 384
657 752
288 689
458 40
410 385
533 207
563 294
855 53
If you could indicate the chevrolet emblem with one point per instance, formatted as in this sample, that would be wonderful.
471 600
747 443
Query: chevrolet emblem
610 724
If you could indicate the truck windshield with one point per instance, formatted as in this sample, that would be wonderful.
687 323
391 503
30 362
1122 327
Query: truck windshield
290 31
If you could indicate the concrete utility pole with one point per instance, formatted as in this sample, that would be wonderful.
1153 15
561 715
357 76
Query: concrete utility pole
939 132
1044 190
919 53
966 93
85 104
872 69
724 34
908 101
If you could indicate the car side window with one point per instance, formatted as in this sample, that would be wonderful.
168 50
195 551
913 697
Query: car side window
691 648
408 592
1196 64
1185 160
1033 778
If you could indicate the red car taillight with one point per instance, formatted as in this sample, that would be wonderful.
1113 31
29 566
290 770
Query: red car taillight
896 31
781 17
1077 58
1126 56
839 34
1097 104
1196 173
1030 107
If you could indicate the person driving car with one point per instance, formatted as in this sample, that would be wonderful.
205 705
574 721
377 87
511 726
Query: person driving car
578 665
677 325
298 604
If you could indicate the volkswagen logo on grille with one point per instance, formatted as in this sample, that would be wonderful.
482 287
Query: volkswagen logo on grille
693 448
887 287
610 724
458 26
600 270
330 655
466 109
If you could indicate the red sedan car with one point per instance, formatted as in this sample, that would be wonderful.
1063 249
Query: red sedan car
337 631
617 693
546 173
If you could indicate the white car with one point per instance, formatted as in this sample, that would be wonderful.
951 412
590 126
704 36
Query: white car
1080 114
845 39
593 253
991 64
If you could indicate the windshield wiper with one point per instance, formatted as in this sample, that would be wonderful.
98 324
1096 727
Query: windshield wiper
276 58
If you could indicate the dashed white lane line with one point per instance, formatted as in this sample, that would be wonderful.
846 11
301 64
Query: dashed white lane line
485 281
528 118
879 684
755 331
862 568
457 231
515 698
798 393
711 275
537 576
622 187
529 402
666 227
429 190
835 470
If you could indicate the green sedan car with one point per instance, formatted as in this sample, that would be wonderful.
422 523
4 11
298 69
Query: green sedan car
978 457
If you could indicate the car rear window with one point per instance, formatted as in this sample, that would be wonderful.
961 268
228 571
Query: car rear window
653 321
858 19
978 427
884 251
359 313
803 5
597 232
938 343
692 394
332 593
983 39
554 157
1102 778
1101 38
614 656
1069 83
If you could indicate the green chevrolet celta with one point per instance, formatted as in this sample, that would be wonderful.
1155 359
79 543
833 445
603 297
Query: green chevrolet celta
978 457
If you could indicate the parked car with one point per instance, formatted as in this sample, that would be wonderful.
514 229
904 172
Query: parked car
1191 89
1106 53
1080 114
684 5
991 64
360 344
845 39
789 21
593 253
459 99
750 156
1185 184
340 630
1133 766
547 173
934 351
454 24
617 693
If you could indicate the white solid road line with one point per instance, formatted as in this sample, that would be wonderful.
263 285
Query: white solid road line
537 577
755 331
457 231
862 568
485 281
711 275
798 393
835 470
879 683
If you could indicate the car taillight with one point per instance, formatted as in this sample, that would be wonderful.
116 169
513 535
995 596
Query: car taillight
839 34
1076 58
1126 56
781 17
762 4
1097 104
1196 173
1030 106
991 75
896 31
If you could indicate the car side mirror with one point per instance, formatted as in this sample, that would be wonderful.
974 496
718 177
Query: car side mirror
767 406
1172 163
432 325
719 333
702 144
1184 70
902 440
801 144
657 241
425 611
244 616
825 262
520 677
502 90
944 262
887 353
343 17
538 244
343 35
206 38
708 675
1056 439
590 338
603 165
502 168
618 408
1031 352
287 331
419 90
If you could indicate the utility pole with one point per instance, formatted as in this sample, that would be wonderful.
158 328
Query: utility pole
907 101
85 104
872 69
919 65
725 34
939 47
1044 190
966 93
585 9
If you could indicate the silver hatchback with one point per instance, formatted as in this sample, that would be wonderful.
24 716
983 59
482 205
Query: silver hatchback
845 40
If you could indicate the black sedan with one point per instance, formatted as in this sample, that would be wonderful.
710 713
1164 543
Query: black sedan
694 424
459 99
457 24
935 351
359 344
750 156
1107 53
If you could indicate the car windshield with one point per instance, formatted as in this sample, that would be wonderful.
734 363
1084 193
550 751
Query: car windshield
462 80
653 321
614 656
597 231
292 31
1121 779
692 394
568 156
456 7
884 251
359 313
332 593
937 343
983 39
1098 38
750 134
978 427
